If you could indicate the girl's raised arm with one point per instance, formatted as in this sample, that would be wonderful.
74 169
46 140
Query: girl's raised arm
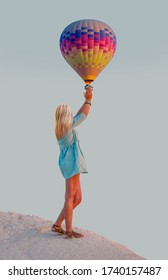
86 105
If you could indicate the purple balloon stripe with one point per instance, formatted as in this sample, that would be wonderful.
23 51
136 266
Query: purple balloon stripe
79 46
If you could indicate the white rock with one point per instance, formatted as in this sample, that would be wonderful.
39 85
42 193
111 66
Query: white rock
27 237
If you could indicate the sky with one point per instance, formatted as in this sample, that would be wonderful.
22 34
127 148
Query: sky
124 139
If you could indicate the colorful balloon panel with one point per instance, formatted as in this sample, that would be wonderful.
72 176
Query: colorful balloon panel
88 46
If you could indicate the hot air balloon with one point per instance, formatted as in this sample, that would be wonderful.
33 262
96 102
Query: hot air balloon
88 46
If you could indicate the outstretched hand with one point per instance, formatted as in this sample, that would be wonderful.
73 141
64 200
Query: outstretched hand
88 94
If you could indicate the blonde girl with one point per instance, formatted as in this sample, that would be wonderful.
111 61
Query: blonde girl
71 161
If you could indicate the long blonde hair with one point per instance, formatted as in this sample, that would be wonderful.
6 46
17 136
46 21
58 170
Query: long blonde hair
63 120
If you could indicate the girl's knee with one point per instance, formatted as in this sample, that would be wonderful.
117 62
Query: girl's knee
69 197
78 200
73 191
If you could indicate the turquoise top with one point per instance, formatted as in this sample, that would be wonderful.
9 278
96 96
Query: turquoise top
71 159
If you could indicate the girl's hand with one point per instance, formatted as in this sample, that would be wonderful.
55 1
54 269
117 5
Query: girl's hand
88 94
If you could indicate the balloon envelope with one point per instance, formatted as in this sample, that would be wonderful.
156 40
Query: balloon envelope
88 46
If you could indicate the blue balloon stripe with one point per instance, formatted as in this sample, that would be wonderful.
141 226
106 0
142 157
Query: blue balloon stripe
78 33
102 34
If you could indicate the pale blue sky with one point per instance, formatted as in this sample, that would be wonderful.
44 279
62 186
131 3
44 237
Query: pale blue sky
125 136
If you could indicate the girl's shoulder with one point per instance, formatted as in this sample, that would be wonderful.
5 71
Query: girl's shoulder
67 139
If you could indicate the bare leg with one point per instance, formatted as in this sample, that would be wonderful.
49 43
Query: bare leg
71 188
73 197
76 202
68 205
